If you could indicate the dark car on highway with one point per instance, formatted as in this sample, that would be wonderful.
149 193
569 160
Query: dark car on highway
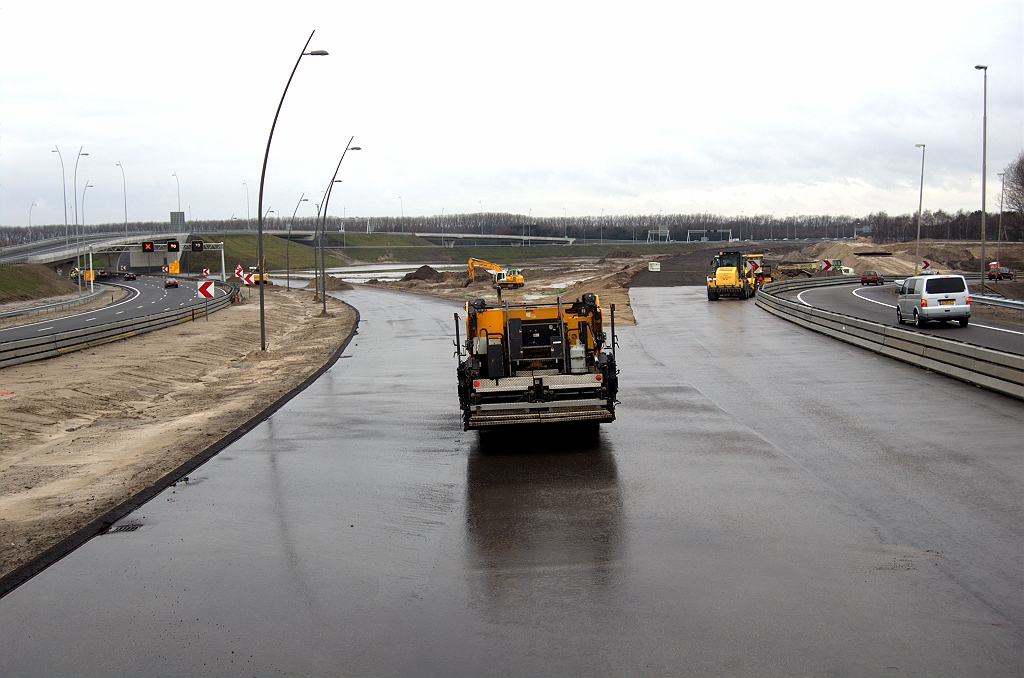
871 278
129 276
170 282
1000 273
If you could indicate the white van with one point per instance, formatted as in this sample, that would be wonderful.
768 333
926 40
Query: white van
934 297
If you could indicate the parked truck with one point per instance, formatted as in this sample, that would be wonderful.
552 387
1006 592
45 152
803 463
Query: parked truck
731 277
536 363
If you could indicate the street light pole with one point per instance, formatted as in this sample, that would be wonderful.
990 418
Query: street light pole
263 176
984 168
401 206
84 191
64 191
30 213
999 229
288 242
327 202
78 237
481 216
178 184
248 224
124 192
920 205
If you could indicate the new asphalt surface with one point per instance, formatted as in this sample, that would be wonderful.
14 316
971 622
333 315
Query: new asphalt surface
769 502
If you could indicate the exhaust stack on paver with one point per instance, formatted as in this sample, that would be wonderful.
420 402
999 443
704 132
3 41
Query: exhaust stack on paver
536 363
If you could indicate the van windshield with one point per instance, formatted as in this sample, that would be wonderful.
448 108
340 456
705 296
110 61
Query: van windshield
945 285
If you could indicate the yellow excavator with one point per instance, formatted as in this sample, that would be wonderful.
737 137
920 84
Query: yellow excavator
504 278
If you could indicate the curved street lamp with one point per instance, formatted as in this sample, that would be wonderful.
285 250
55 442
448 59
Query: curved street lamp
248 226
323 222
920 205
984 168
30 213
124 192
263 176
178 184
84 191
64 191
288 242
78 237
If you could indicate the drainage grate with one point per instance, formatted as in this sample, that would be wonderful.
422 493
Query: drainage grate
125 528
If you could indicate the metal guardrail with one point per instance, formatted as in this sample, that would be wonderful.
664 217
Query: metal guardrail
55 305
50 346
1015 304
995 370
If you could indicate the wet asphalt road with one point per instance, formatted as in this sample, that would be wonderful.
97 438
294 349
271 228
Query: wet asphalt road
769 502
877 303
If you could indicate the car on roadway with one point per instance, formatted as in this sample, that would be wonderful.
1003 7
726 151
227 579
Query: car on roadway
941 298
1000 273
871 278
170 282
130 276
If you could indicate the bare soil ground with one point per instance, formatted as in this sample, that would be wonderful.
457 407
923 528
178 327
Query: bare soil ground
545 281
84 432
898 258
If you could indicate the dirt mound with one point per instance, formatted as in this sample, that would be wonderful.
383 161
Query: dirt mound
426 273
336 284
799 257
24 282
618 254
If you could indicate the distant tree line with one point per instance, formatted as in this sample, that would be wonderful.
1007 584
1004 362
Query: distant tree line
939 225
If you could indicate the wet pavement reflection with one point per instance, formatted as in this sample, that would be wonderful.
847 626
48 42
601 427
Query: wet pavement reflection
544 516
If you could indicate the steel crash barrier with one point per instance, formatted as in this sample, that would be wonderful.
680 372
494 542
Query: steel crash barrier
52 345
995 370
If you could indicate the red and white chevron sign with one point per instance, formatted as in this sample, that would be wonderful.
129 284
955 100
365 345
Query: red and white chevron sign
206 289
164 269
753 266
925 264
247 278
239 270
826 265
206 271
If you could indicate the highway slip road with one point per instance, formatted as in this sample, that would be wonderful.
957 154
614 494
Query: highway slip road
770 502
148 297
878 304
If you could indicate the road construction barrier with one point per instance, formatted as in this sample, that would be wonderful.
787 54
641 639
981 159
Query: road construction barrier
995 370
52 345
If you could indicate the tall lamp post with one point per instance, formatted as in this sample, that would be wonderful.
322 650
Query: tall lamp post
124 192
84 191
64 191
323 226
248 225
984 167
78 237
920 205
401 206
30 213
263 177
288 242
999 229
178 185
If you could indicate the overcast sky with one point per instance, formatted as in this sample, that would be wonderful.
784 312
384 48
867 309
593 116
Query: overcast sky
785 108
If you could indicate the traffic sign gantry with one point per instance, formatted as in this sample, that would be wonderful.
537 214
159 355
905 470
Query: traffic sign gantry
206 289
173 246
147 247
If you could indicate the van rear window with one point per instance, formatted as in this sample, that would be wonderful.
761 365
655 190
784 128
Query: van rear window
945 285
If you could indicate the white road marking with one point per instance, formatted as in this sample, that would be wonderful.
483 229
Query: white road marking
44 329
800 298
880 303
984 327
40 322
119 313
88 319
